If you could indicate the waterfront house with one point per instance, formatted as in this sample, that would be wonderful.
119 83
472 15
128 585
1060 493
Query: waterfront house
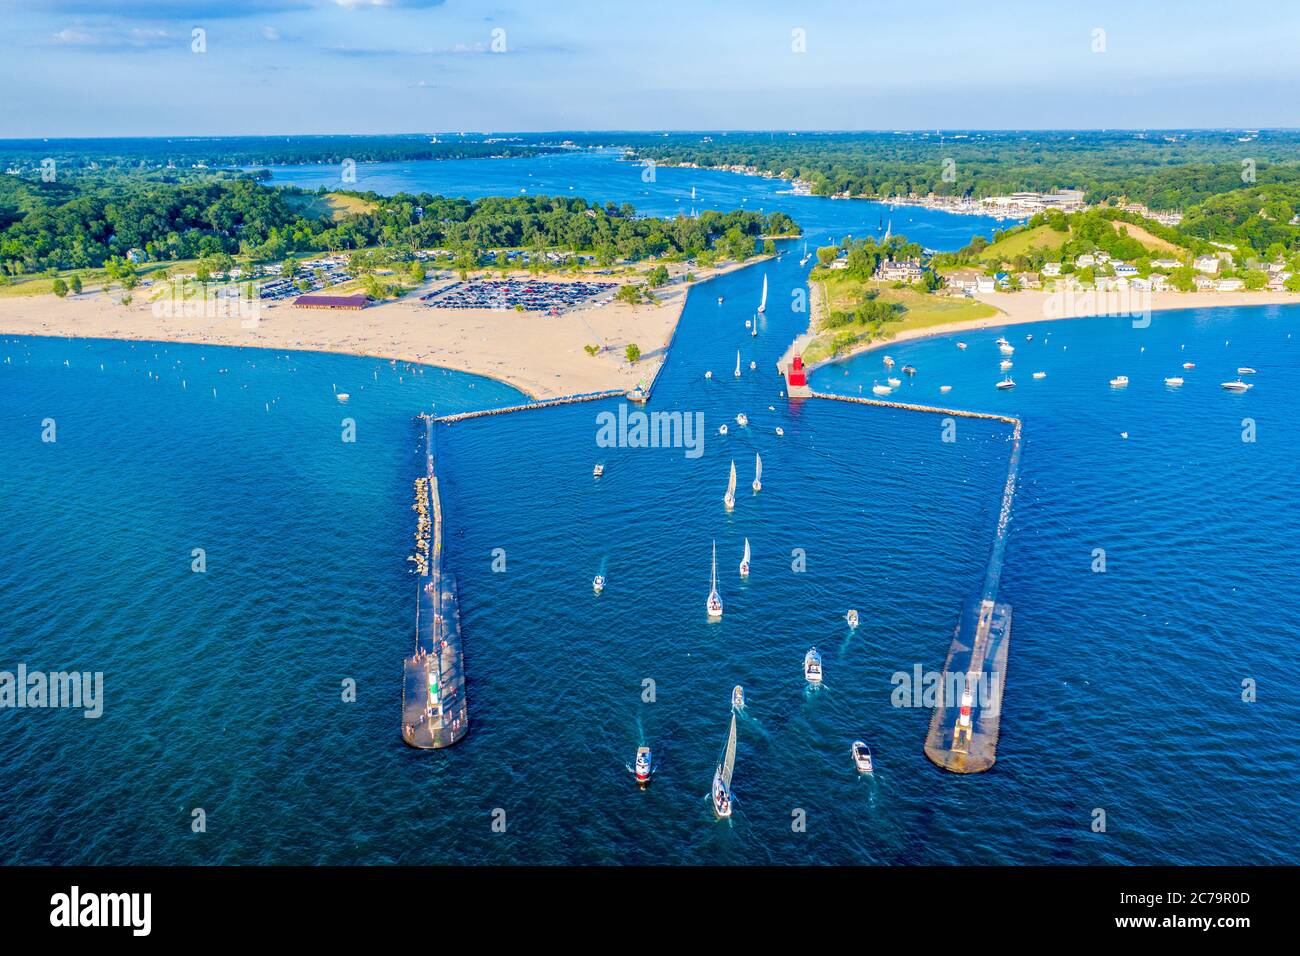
1051 269
1166 264
1207 264
1203 283
1230 285
1085 261
1124 270
985 284
900 270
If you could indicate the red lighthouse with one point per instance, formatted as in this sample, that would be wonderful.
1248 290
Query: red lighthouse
796 379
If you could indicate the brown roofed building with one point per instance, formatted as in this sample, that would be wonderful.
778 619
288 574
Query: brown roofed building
331 301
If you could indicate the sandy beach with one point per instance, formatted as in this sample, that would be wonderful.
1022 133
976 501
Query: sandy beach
542 356
1017 308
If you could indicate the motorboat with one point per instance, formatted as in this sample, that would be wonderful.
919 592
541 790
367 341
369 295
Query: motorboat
1029 338
961 345
742 419
1119 381
894 382
909 369
753 365
779 431
881 389
643 764
1237 386
708 374
1245 371
1189 365
812 666
852 617
719 300
722 429
862 757
737 698
1005 364
714 603
598 583
945 389
1040 375
1006 349
889 362
341 396
597 471
1174 381
1006 383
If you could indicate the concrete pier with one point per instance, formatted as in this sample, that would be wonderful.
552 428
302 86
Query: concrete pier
435 711
549 403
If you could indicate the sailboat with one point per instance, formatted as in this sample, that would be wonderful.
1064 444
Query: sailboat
806 257
722 775
753 329
744 561
762 305
692 192
729 499
714 603
758 473
737 363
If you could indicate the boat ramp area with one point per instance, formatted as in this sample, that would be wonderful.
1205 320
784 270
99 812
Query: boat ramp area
964 728
435 711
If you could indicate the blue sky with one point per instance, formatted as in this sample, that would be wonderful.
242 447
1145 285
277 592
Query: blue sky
106 68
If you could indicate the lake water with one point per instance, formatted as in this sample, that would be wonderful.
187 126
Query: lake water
223 689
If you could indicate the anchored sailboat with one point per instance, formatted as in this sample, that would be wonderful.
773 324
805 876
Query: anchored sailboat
744 561
762 305
722 775
714 603
758 473
729 499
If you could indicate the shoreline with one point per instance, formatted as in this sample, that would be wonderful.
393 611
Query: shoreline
541 356
1030 306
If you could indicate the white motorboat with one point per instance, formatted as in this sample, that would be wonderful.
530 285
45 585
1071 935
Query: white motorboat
1237 386
342 396
714 603
961 345
894 382
708 374
722 429
758 474
779 431
862 757
719 300
721 790
597 471
812 666
889 362
852 617
737 698
598 583
1119 381
1040 375
1174 381
1007 349
729 499
1189 365
643 764
1245 371
752 365
742 419
1029 338
1005 364
1006 383
744 561
881 389
945 389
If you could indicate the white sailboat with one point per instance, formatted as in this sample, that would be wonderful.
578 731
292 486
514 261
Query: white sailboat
692 192
758 473
714 603
721 792
744 561
762 305
806 257
753 330
737 363
729 499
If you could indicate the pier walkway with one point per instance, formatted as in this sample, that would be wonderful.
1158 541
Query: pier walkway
435 711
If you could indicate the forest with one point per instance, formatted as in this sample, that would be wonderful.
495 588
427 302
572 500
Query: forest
84 222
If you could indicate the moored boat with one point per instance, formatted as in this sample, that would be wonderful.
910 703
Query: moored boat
1119 381
1245 371
1040 375
1006 383
945 389
1174 381
881 389
1237 386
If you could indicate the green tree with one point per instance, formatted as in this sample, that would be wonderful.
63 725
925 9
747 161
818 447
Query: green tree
633 353
59 288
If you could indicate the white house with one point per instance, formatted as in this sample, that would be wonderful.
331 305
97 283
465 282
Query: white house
986 284
1124 270
1230 285
1165 264
1086 260
1207 264
1051 268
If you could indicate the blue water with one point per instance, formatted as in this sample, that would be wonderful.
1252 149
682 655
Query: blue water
223 688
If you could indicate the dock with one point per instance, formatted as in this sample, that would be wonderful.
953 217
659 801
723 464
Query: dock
435 710
548 403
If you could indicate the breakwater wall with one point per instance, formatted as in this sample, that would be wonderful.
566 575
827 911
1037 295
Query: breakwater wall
435 711
549 403
964 728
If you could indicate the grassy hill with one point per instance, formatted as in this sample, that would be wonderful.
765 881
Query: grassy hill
334 206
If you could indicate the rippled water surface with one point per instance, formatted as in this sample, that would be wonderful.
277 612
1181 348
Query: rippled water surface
223 688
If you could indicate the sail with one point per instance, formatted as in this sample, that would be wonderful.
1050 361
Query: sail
763 304
731 482
745 559
758 467
714 578
729 755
